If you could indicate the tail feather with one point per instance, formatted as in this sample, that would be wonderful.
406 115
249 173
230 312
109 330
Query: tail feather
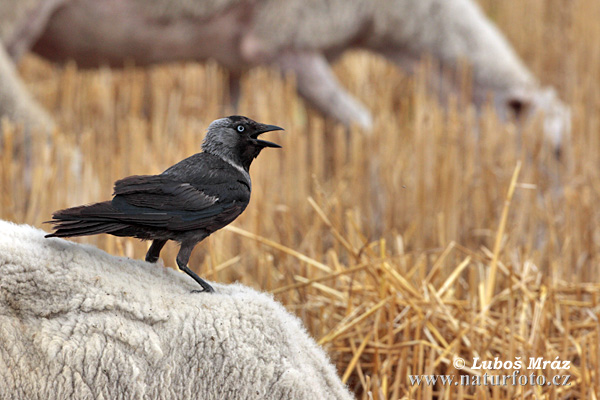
85 220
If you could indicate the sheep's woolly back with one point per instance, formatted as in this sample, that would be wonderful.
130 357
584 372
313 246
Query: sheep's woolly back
77 323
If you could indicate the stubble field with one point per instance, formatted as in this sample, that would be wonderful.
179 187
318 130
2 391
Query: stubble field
439 236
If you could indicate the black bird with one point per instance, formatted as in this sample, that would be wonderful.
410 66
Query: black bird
186 203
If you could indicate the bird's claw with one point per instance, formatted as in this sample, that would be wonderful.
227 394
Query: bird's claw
204 290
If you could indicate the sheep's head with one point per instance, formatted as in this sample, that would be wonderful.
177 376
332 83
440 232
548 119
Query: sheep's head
556 115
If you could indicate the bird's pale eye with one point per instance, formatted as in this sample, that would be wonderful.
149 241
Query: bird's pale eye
241 128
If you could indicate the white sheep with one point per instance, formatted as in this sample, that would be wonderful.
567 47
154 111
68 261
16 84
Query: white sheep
77 323
297 36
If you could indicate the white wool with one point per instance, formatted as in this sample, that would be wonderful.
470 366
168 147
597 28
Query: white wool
78 323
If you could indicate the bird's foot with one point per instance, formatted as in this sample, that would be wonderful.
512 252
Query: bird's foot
206 288
154 250
157 261
211 290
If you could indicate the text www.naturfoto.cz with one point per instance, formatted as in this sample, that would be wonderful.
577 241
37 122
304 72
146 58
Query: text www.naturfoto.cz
490 380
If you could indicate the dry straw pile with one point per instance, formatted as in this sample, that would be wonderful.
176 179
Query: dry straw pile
439 237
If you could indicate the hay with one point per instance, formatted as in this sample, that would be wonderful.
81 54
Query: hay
439 236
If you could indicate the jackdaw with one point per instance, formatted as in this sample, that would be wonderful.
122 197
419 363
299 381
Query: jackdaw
186 203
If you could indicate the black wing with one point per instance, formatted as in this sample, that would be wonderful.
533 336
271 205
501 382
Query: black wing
162 193
159 201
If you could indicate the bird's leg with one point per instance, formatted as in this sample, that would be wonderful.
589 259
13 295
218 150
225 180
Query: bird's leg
182 260
154 250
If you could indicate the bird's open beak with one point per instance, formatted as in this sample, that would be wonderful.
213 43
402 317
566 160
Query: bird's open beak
263 129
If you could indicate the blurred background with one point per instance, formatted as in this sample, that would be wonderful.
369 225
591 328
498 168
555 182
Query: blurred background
384 244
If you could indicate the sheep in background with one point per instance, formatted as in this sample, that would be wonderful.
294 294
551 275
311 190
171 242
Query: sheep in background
76 322
297 36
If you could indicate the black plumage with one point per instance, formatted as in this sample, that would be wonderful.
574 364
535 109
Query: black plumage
186 203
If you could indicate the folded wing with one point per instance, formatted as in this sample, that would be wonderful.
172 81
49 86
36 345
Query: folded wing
158 201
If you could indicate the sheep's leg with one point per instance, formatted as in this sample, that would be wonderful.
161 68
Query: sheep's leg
19 107
154 250
319 86
234 81
15 101
183 257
